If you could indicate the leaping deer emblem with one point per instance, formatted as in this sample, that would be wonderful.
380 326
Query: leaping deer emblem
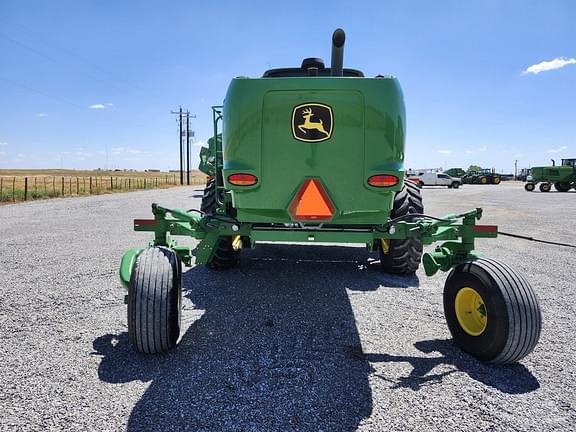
307 114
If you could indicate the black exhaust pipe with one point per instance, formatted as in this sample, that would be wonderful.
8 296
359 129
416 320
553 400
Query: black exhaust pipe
338 39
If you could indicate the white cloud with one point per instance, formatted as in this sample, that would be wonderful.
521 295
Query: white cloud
42 115
134 151
110 104
558 150
469 152
3 144
97 106
21 155
444 151
2 153
483 148
557 63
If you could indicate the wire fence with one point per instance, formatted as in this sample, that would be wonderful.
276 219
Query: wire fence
20 188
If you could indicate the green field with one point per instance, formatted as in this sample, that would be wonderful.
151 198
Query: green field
25 185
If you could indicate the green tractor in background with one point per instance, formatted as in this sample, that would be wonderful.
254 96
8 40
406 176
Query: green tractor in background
315 154
483 176
563 177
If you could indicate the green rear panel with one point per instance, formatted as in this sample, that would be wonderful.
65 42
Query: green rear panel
553 174
367 138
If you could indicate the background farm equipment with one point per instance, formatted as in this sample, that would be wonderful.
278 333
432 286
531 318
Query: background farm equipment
563 177
483 176
276 175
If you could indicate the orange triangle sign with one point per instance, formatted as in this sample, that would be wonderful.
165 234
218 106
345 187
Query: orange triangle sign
312 202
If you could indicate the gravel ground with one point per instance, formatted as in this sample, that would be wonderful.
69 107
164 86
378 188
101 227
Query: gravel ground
297 338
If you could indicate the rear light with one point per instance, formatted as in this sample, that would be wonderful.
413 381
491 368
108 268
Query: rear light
383 180
242 179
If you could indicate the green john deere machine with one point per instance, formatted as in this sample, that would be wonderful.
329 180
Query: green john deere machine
563 177
315 154
483 176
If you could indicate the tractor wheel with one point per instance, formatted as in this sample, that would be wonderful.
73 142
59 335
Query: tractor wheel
227 254
209 203
491 311
403 256
562 187
497 180
529 187
154 301
483 180
545 187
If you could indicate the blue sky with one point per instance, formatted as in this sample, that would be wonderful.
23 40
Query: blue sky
85 83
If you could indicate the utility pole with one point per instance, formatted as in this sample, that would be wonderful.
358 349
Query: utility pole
516 169
179 112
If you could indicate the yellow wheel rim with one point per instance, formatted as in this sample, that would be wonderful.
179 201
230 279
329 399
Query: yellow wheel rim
471 311
483 180
385 246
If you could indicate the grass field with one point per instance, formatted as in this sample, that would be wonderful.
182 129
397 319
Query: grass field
24 185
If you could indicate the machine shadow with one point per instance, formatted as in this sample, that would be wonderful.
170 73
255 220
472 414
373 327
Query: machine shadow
273 345
511 379
269 346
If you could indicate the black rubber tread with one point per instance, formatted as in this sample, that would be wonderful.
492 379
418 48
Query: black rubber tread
225 256
454 185
545 187
529 187
496 180
154 299
209 203
514 318
562 186
404 256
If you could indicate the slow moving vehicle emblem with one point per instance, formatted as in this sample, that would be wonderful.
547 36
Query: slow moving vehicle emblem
312 122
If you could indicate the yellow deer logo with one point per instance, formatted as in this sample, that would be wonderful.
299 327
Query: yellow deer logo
308 124
312 122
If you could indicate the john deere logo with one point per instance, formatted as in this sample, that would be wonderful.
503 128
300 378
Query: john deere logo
312 122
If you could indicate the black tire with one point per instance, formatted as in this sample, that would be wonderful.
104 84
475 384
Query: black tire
529 187
483 180
545 187
497 180
226 255
512 317
403 256
455 185
154 301
562 186
209 202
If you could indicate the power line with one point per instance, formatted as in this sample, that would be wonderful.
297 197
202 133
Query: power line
58 98
181 115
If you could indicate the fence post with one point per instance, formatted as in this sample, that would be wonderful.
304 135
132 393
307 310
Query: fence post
45 187
1 187
35 190
90 185
84 187
25 188
62 186
77 186
111 184
53 185
70 185
14 189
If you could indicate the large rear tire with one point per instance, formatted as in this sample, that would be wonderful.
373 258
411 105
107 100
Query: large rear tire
209 202
154 301
491 311
403 256
562 186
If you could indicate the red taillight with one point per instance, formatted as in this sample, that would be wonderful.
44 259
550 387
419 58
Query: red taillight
242 179
383 180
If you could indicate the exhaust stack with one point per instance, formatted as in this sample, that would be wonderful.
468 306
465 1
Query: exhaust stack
338 39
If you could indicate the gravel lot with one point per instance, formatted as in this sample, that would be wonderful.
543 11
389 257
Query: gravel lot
297 338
